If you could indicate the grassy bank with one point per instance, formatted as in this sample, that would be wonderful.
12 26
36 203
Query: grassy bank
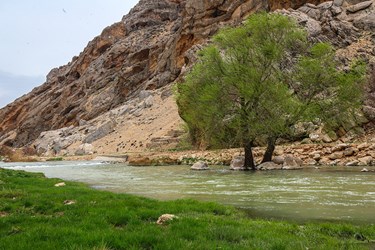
33 216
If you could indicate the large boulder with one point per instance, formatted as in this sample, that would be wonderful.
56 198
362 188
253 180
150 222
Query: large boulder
292 163
85 149
269 166
238 163
366 22
278 160
200 165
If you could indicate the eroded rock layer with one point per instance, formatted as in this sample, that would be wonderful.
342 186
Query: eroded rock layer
104 87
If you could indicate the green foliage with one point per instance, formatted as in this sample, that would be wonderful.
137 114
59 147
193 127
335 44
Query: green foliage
326 92
257 80
33 216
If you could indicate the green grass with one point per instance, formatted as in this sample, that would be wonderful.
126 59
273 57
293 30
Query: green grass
55 159
33 216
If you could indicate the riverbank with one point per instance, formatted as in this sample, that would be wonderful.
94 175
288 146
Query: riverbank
358 153
36 214
335 154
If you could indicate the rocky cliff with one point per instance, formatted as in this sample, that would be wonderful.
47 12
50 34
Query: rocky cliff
104 94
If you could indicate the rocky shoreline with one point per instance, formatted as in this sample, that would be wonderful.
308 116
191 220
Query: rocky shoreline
286 157
342 154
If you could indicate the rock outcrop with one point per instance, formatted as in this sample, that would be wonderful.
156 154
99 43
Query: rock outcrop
200 165
126 71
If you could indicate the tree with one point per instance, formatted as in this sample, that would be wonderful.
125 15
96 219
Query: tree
257 80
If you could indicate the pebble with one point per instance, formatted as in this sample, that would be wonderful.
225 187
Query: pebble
69 202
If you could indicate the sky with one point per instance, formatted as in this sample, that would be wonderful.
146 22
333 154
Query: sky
39 35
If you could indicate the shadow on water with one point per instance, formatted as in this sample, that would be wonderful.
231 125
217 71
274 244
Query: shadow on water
326 194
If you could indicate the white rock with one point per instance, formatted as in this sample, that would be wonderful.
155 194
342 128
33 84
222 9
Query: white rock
69 202
165 217
352 163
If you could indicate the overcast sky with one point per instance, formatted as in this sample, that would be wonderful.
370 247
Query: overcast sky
38 35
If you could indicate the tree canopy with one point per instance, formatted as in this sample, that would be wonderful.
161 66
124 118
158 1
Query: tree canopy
257 80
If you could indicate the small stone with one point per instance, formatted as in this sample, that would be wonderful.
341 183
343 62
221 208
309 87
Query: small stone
69 202
312 163
326 138
338 2
148 102
200 165
324 161
165 218
60 184
336 155
279 152
314 137
317 157
352 163
364 170
363 146
325 5
359 6
340 147
336 10
315 153
365 161
3 214
349 152
310 5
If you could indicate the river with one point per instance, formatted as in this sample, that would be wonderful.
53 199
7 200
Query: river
329 193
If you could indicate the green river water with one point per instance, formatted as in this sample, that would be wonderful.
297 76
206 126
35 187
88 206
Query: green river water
329 193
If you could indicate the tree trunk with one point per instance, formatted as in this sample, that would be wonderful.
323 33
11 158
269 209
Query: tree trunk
271 143
249 159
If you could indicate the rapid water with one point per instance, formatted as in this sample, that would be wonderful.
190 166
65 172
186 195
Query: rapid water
338 194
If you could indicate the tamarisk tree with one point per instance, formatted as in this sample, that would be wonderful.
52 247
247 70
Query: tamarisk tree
257 80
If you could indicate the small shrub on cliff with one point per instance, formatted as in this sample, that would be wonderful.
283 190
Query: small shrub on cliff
257 80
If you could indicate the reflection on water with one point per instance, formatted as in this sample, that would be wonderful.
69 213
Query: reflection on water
327 194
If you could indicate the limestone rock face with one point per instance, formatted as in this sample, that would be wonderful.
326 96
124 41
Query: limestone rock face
149 48
145 50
